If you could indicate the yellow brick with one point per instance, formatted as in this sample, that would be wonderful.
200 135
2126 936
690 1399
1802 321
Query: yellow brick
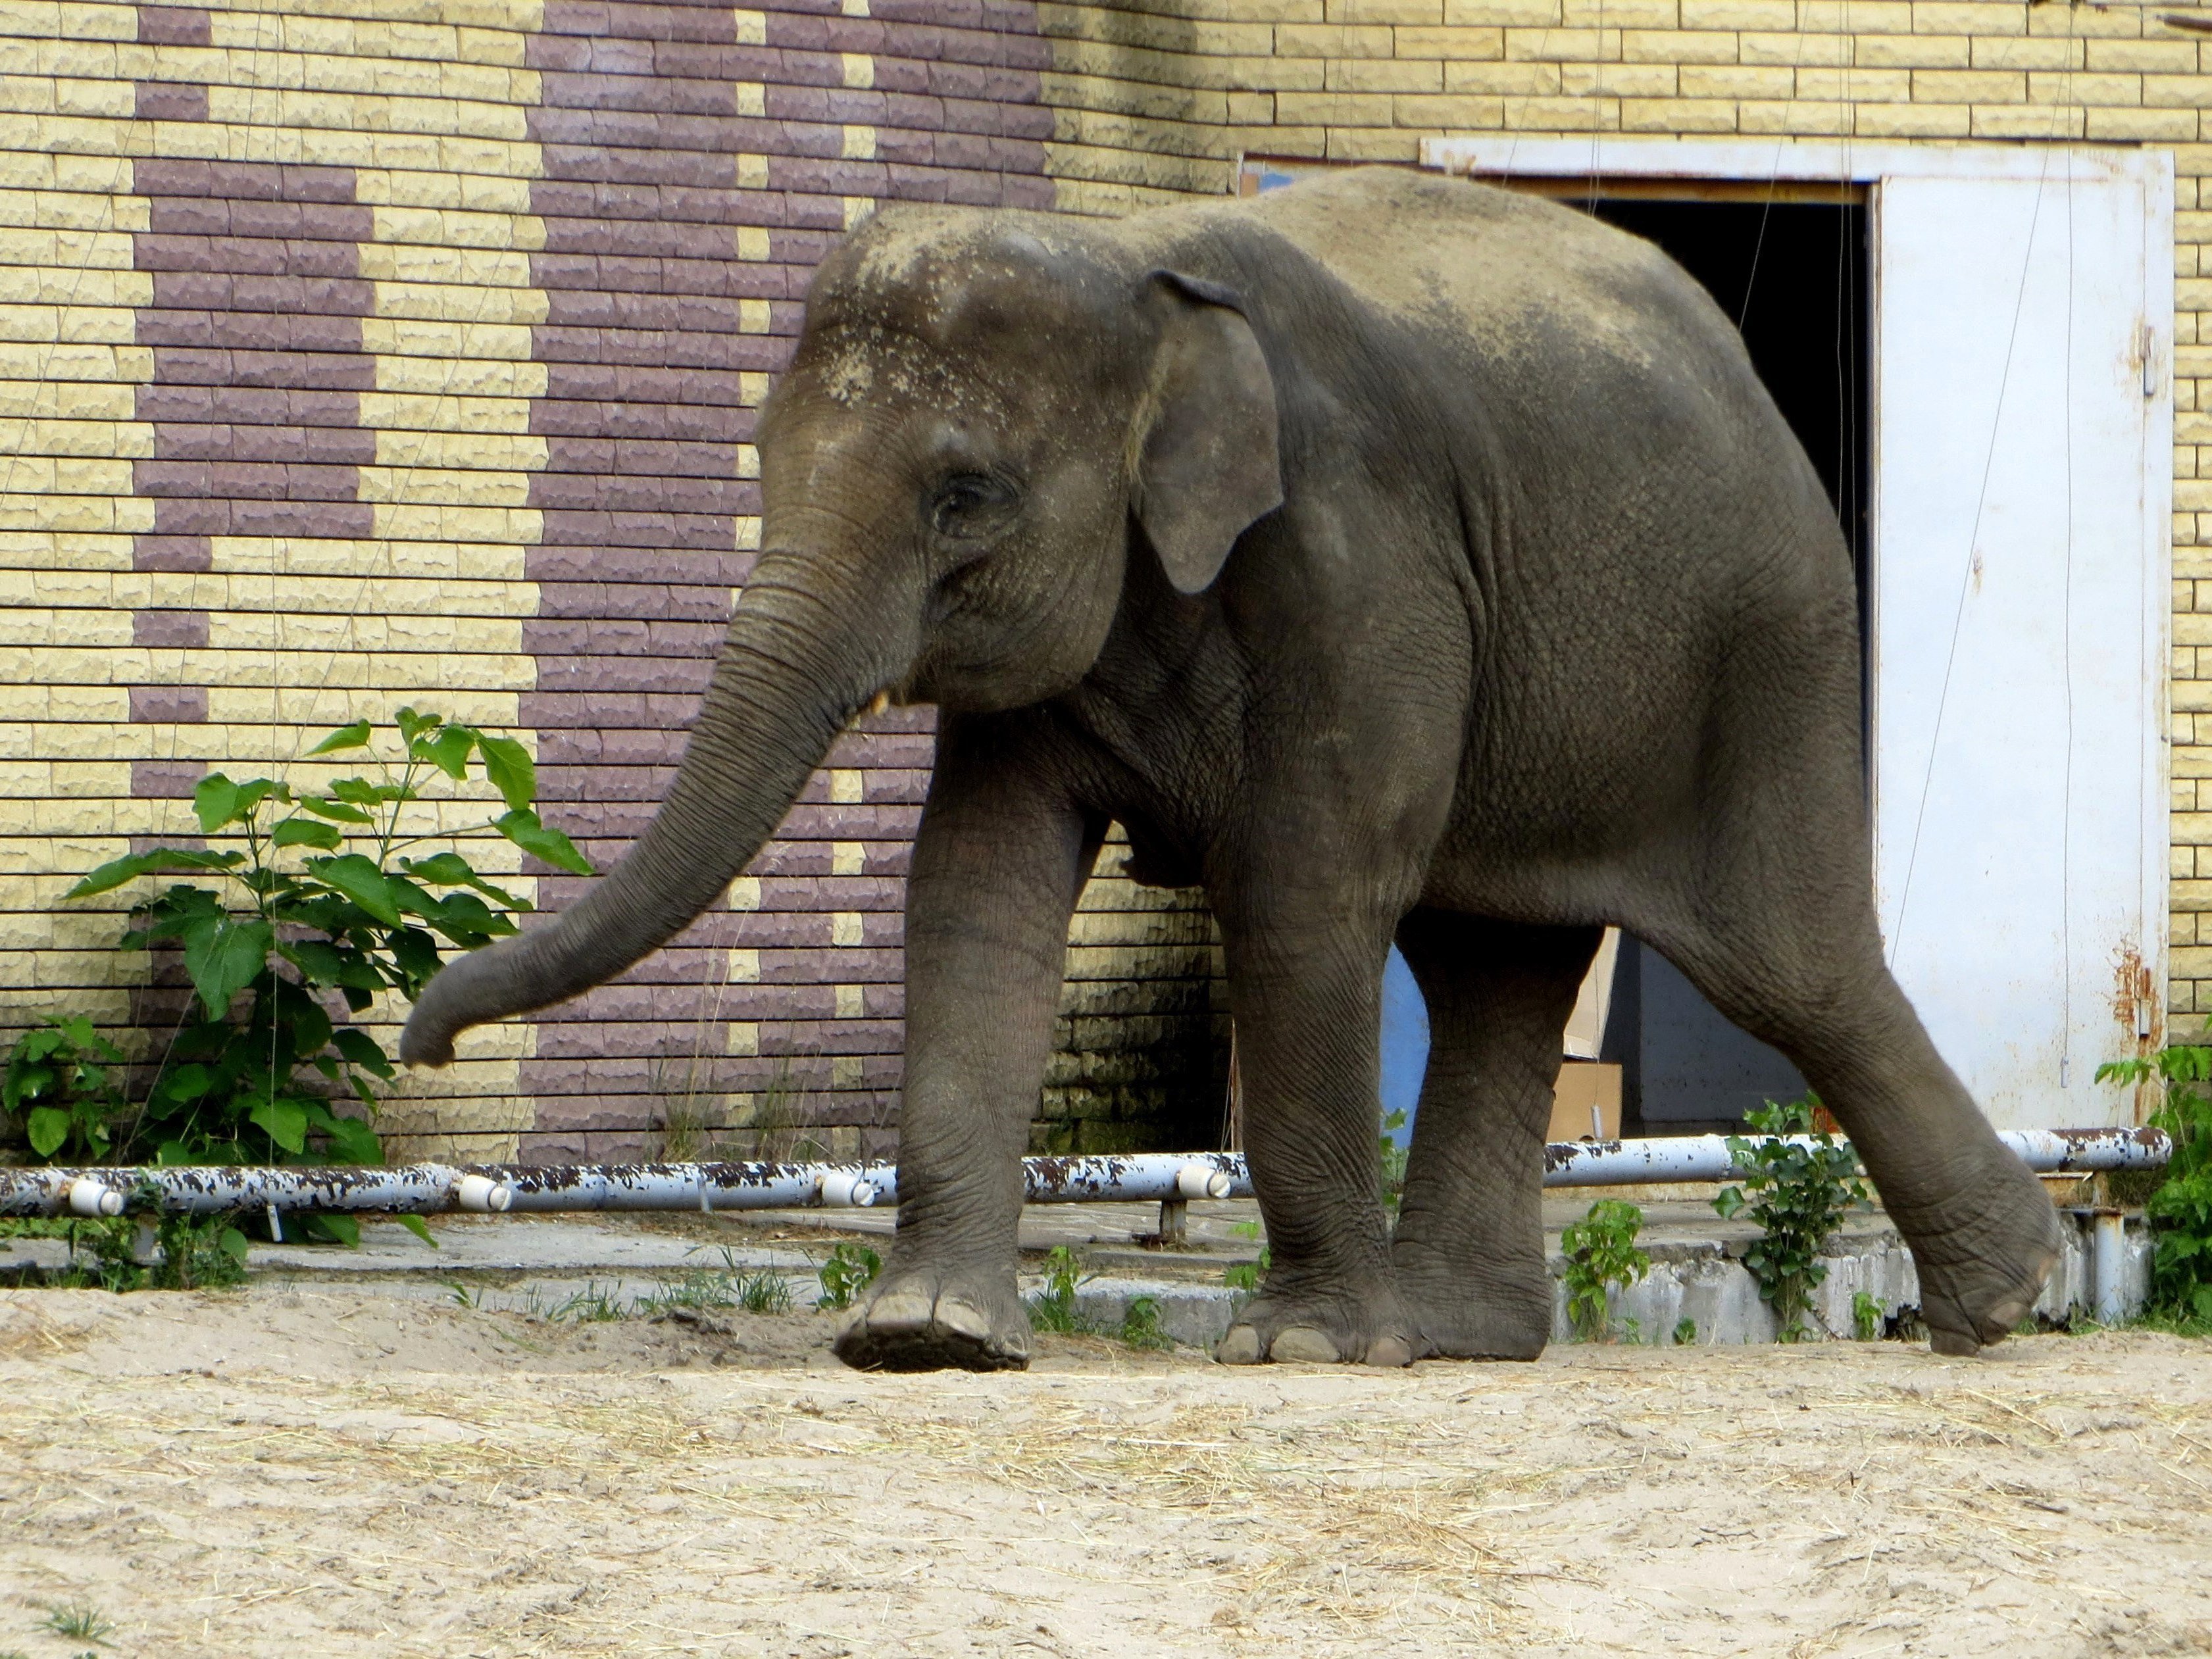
1559 46
1562 115
459 377
1450 113
1618 80
1710 80
1337 40
2029 52
451 228
1912 121
1739 15
1678 115
80 439
2163 57
428 337
1679 46
1452 46
1518 80
2141 125
1797 118
1913 52
450 486
1795 50
1387 75
1502 13
2043 122
1385 11
1619 14
1967 17
2178 91
1334 109
1966 87
465 192
64 399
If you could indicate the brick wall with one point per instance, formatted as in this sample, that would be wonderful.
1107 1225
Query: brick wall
354 355
380 351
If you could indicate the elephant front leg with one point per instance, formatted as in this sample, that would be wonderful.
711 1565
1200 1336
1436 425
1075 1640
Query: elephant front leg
997 866
1307 993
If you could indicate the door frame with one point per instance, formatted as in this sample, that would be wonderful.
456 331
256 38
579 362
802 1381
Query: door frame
1847 168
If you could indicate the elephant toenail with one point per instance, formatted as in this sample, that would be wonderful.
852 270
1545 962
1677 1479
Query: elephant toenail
1302 1345
1240 1347
897 1311
962 1318
1392 1351
1953 1345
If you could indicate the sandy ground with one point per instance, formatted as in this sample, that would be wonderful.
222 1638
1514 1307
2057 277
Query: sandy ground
274 1472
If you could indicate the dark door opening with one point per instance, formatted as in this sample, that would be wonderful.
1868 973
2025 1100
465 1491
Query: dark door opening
1793 276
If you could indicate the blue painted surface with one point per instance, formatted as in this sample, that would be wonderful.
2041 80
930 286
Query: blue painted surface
1405 1043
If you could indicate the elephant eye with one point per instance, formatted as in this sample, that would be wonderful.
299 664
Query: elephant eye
969 504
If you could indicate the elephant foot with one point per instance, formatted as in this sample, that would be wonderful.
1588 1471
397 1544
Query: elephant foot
1362 1330
922 1321
1980 1277
1460 1327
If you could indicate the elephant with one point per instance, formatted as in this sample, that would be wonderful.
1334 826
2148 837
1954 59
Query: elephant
1394 558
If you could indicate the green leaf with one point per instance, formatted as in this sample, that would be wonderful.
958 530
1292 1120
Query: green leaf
305 832
222 957
233 1243
522 827
360 880
352 1141
359 793
449 751
510 769
116 872
451 870
360 1049
420 1228
346 736
48 1127
284 1121
184 1083
324 808
413 725
215 801
343 1229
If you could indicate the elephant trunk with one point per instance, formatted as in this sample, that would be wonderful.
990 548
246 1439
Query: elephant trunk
796 667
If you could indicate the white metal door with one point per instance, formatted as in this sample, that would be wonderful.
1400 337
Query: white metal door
2021 459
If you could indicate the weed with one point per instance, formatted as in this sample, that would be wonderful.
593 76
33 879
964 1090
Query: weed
58 1082
1140 1324
465 1296
1052 1309
1246 1229
764 1293
851 1268
592 1305
1394 1159
688 1110
2180 1209
1247 1275
1601 1256
79 1624
1631 1331
191 1253
1801 1193
1867 1319
1685 1332
307 900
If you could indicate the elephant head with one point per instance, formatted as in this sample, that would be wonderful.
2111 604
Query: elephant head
988 417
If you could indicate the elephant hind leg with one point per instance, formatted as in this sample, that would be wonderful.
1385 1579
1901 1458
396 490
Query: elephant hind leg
1469 1246
1810 980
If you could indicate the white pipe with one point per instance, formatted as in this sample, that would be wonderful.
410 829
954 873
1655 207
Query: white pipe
494 1190
2108 1255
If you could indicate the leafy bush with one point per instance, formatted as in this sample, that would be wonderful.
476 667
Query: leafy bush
2180 1209
58 1083
194 1253
306 900
1601 1256
851 1268
1247 1275
1800 1194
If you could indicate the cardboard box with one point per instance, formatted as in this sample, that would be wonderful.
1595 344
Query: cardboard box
1586 1086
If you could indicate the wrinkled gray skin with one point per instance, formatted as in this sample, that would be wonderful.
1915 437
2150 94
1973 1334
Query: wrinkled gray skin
1398 558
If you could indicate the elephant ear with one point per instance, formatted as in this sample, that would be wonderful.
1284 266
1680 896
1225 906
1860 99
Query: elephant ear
1206 466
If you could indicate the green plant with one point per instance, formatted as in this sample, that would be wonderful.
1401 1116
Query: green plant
592 1305
1798 1192
1867 1318
1601 1254
315 901
79 1624
58 1083
764 1293
2180 1208
1052 1309
1140 1324
1247 1275
851 1268
1394 1159
192 1252
1246 1229
1685 1332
